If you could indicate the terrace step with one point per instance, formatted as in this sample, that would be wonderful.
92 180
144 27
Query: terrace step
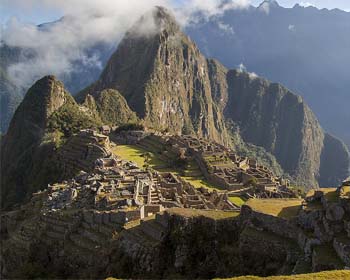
85 243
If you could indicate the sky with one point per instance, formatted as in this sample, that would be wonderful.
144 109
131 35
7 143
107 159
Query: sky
37 13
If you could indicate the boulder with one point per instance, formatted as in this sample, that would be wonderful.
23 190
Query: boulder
335 212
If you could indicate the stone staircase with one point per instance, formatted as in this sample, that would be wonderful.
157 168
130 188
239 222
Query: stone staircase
154 197
148 233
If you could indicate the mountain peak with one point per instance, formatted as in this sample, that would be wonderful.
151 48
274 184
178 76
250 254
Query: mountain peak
154 22
270 4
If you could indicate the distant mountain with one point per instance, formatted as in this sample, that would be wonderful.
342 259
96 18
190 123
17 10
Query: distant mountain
10 94
304 48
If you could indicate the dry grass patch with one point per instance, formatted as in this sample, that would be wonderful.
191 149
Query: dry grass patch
285 208
212 214
324 275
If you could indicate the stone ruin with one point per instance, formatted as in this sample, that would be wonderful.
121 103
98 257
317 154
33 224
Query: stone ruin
81 151
222 167
115 184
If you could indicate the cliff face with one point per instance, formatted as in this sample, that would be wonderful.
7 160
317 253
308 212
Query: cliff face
47 114
21 144
271 116
165 79
334 161
111 107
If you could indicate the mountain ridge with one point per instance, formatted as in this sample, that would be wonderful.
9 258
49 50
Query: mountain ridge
226 95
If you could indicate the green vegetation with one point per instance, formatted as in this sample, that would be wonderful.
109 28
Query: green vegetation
139 155
130 126
284 208
113 108
324 275
70 119
147 159
251 151
236 200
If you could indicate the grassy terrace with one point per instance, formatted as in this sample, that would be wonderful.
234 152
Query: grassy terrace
212 214
283 208
236 200
329 193
136 154
324 275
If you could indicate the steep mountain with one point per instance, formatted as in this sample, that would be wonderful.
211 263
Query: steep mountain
304 48
164 78
47 114
170 85
270 116
111 107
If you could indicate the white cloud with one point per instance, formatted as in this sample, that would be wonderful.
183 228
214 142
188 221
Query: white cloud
57 47
242 69
306 4
291 27
265 7
226 28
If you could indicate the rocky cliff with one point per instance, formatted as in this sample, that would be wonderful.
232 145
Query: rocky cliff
271 116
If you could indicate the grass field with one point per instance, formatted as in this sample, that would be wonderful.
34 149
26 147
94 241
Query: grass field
200 181
324 275
284 208
135 153
212 214
236 200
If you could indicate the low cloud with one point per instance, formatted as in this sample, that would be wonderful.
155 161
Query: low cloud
242 69
226 28
56 48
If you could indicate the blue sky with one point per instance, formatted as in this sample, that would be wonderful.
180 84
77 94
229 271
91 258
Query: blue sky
36 14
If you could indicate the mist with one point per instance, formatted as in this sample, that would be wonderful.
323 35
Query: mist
67 46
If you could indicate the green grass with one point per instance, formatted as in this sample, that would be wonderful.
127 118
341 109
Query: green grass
324 275
199 182
135 154
236 200
284 208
